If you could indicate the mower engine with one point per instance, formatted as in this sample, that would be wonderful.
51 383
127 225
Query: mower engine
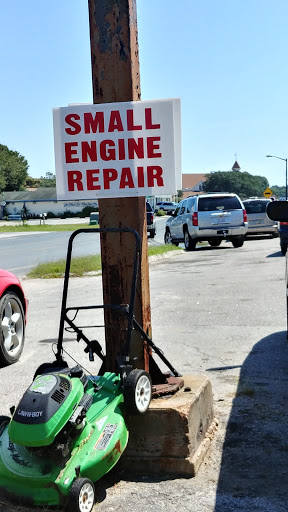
53 401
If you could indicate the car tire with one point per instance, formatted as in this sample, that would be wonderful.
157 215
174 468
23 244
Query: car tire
283 248
168 238
152 233
81 496
214 243
137 392
237 241
12 328
190 244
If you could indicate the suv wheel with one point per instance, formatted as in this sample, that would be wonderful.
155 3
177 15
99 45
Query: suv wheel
237 241
190 244
168 238
283 248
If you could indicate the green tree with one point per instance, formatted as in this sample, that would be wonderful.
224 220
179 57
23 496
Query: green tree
25 212
32 182
13 169
279 191
49 180
241 183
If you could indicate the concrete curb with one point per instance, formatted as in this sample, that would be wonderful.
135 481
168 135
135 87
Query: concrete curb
174 435
158 257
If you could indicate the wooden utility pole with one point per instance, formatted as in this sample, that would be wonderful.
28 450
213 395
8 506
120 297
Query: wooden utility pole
116 78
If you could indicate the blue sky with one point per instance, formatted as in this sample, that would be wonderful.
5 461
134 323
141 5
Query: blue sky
226 60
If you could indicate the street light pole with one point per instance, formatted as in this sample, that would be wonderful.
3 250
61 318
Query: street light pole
284 160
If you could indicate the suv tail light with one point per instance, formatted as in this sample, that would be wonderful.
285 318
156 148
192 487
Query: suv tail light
283 223
245 216
195 219
152 217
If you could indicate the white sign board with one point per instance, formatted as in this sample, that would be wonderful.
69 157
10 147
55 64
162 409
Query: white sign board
118 149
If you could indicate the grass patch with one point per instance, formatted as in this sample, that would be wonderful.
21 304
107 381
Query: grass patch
29 228
79 266
161 249
82 265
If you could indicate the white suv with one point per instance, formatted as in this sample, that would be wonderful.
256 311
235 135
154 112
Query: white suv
207 217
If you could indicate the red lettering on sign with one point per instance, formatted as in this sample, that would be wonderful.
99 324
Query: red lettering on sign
107 151
135 147
121 149
152 147
130 121
89 149
93 123
108 176
92 179
69 151
148 120
74 179
126 179
69 120
154 173
140 173
115 122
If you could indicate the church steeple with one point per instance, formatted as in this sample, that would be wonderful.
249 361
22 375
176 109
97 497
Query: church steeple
236 166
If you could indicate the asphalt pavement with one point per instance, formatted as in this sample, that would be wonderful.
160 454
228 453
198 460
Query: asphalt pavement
215 311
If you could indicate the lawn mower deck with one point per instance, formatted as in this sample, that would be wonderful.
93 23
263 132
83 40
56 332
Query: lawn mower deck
90 441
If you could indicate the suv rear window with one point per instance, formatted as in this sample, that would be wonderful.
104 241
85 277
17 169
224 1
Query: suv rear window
207 204
255 206
148 207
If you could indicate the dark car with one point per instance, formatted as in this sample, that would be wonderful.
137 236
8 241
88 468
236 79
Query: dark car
278 211
151 222
283 234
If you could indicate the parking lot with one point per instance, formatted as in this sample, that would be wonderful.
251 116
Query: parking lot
216 311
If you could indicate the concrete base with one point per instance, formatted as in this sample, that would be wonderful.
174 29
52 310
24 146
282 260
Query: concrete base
174 435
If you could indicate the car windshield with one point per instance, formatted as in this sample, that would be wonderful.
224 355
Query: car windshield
255 206
218 203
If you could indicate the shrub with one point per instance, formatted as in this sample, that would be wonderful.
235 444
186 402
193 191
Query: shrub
87 210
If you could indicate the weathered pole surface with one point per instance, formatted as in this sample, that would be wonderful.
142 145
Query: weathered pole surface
116 78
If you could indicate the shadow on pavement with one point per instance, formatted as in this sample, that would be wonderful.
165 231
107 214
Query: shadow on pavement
254 466
277 254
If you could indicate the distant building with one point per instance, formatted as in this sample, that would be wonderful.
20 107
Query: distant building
236 166
41 200
192 184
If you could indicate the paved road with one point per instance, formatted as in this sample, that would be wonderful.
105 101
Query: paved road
22 251
220 312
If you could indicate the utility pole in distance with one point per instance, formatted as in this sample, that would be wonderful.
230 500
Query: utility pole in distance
116 78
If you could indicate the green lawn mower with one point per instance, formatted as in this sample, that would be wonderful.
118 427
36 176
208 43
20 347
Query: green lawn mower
70 427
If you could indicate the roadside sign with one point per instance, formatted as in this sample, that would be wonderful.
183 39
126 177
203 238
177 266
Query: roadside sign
267 193
122 149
